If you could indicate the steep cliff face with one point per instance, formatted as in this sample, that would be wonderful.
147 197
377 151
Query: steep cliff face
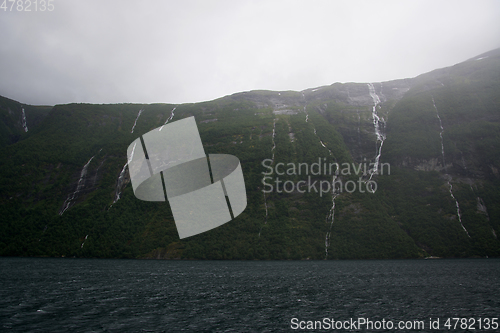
428 147
17 119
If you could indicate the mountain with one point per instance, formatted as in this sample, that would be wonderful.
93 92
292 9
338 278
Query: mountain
428 147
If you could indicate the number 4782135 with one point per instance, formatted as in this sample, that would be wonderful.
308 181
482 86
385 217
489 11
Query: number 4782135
27 5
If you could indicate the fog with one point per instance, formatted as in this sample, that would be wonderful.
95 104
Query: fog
191 51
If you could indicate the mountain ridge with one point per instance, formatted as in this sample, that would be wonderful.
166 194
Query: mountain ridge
438 131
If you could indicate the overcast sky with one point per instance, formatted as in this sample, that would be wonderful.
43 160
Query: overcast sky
190 51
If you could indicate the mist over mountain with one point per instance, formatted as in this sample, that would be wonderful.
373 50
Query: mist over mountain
428 147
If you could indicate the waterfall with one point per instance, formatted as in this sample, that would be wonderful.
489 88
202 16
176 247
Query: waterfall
305 110
79 187
169 118
25 126
448 177
119 184
274 143
331 213
81 247
359 124
322 143
135 123
330 217
457 205
378 132
132 153
440 132
272 150
121 178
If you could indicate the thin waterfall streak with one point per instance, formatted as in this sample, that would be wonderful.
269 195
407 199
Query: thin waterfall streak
458 208
119 184
448 181
272 162
135 123
79 186
305 107
322 143
330 217
274 143
377 160
331 213
169 118
378 132
329 151
25 125
359 120
440 133
81 247
373 94
131 157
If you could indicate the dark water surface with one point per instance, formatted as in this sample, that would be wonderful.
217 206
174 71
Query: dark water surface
95 295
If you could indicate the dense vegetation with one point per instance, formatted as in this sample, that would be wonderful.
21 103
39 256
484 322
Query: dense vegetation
412 214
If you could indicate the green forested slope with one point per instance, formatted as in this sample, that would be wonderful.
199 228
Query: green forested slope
412 214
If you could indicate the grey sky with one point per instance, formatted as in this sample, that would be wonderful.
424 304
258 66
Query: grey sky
191 51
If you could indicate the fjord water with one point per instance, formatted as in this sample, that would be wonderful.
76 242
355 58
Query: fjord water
106 295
